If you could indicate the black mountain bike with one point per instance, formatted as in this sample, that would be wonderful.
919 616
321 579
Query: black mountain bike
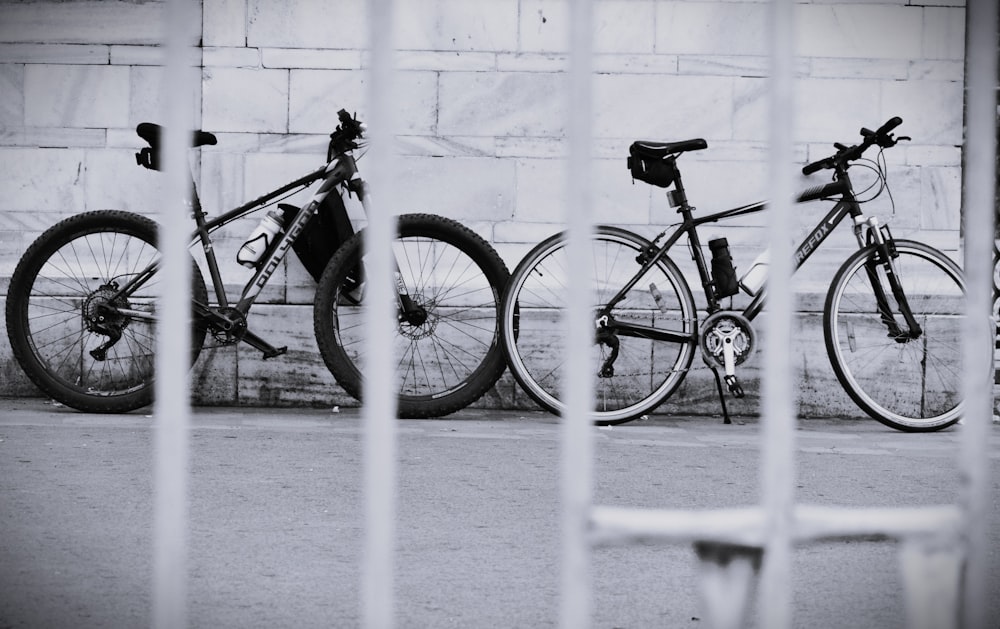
891 321
81 309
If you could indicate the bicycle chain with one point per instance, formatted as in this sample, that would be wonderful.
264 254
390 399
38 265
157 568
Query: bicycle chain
638 317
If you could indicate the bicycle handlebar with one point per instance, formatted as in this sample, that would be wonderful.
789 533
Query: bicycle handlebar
846 154
345 137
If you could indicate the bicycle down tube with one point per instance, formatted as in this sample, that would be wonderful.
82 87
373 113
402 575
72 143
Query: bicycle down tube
802 253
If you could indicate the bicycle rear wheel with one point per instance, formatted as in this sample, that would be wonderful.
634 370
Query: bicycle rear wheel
645 371
64 312
910 384
447 357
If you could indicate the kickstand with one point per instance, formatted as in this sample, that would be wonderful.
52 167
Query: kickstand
722 396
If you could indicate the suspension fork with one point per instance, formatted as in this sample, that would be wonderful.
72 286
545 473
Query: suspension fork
408 310
885 246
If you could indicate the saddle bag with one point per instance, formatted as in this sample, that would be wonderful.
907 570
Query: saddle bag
650 168
323 234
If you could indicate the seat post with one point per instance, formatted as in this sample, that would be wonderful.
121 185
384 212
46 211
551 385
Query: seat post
678 197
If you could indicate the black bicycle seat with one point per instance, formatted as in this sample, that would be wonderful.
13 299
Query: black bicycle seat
658 150
151 132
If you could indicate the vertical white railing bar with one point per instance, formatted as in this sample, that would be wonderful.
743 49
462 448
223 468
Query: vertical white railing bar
377 588
576 423
978 205
778 429
173 340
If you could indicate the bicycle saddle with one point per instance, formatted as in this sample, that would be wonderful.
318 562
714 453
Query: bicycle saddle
658 150
151 133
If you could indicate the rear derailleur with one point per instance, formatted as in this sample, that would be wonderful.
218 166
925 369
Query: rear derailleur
100 315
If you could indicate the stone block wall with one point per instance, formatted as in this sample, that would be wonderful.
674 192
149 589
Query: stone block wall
483 118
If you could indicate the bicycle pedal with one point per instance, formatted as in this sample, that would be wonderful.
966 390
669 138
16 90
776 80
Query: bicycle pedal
734 386
275 352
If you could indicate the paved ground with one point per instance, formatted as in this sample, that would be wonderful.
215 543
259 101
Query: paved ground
276 517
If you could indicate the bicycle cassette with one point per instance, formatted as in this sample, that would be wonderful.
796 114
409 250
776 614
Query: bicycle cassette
727 335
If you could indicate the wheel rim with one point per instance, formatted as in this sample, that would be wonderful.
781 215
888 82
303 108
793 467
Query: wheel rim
914 383
63 320
439 352
645 372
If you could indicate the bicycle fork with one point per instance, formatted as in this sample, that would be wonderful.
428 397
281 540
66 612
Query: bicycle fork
881 237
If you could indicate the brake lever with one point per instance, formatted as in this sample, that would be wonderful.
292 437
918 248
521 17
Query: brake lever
888 141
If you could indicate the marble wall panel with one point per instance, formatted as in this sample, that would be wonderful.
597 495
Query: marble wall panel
828 110
931 110
11 95
944 33
542 194
501 104
715 28
663 107
860 31
457 25
239 99
146 102
41 180
224 22
76 95
463 188
112 180
941 191
315 97
306 24
620 26
54 53
105 22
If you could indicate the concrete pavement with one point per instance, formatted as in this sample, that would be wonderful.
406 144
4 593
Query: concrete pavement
276 517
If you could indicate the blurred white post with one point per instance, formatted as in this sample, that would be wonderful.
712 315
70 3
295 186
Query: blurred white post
172 408
577 457
778 429
380 387
977 347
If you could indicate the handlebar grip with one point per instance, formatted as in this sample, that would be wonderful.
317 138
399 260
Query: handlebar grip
809 169
893 122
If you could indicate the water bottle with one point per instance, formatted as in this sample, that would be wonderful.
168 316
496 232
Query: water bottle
723 271
260 239
754 278
658 298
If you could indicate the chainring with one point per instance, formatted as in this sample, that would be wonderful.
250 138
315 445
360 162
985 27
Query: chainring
724 328
237 328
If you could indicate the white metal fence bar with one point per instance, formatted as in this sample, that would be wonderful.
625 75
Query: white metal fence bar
778 414
747 526
173 340
978 204
377 587
576 455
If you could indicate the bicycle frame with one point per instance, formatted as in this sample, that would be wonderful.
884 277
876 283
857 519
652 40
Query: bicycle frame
847 206
341 168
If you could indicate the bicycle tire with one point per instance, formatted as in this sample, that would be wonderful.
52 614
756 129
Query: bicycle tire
910 385
454 357
646 372
61 278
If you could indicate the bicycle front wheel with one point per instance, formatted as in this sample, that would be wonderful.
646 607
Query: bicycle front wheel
633 373
73 331
911 384
447 349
